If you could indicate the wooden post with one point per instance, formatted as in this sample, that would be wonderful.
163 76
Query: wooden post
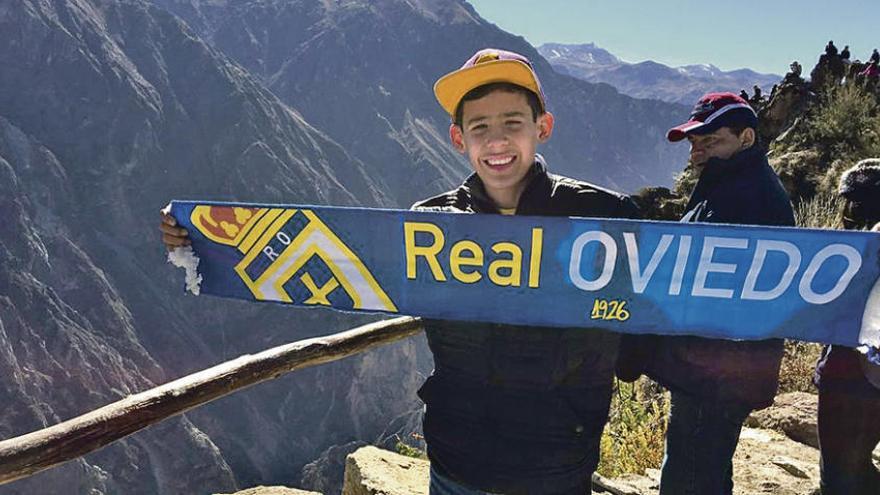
31 453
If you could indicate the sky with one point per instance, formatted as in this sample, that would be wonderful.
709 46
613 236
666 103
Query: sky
764 36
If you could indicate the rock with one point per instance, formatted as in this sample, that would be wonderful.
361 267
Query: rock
628 484
791 467
794 414
272 490
789 102
769 462
373 471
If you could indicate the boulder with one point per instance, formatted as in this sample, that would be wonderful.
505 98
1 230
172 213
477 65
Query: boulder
628 484
789 102
793 414
373 471
272 490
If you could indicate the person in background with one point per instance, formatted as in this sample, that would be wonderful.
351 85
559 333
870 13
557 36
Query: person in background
870 75
848 380
714 384
830 49
757 99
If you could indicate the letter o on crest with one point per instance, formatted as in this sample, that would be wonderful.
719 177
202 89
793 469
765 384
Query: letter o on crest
577 250
283 238
853 261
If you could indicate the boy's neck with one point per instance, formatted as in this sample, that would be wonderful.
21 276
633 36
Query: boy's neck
507 197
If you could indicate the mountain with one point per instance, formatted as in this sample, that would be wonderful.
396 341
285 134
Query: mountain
110 108
363 72
584 55
650 79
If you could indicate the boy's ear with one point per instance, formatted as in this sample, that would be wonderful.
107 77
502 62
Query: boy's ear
456 137
545 126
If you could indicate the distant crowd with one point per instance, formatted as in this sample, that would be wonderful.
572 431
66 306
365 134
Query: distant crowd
836 62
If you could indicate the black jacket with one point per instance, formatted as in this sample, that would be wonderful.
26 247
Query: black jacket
516 409
741 190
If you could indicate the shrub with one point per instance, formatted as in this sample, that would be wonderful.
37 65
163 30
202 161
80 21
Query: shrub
846 124
634 436
408 450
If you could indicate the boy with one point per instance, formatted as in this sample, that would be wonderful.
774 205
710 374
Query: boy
513 409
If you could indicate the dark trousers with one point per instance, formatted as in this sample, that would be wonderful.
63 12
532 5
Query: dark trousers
701 439
849 430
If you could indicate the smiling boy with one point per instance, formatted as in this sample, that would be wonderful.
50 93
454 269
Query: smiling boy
513 409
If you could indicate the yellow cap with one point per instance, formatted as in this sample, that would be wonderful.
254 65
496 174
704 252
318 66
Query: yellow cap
487 66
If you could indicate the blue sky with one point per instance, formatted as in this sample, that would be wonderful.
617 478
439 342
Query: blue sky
764 36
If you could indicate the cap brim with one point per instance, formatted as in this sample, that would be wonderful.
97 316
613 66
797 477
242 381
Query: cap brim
691 127
450 88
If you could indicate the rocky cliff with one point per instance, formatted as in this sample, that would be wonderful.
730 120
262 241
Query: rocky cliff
107 110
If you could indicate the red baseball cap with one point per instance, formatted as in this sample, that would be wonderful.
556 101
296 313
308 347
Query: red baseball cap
714 111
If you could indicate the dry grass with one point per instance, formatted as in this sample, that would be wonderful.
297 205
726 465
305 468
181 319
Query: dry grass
796 373
820 212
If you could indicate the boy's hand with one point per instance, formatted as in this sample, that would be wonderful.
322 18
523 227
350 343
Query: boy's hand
172 235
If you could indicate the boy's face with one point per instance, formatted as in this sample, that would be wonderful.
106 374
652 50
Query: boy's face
499 136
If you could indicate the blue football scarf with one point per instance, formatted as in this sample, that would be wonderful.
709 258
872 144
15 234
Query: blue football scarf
724 281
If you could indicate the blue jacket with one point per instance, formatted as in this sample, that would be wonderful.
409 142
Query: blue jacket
518 409
740 190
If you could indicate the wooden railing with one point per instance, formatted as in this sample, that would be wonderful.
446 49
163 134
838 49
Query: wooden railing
34 452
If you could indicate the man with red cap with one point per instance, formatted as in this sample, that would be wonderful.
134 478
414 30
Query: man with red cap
715 384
